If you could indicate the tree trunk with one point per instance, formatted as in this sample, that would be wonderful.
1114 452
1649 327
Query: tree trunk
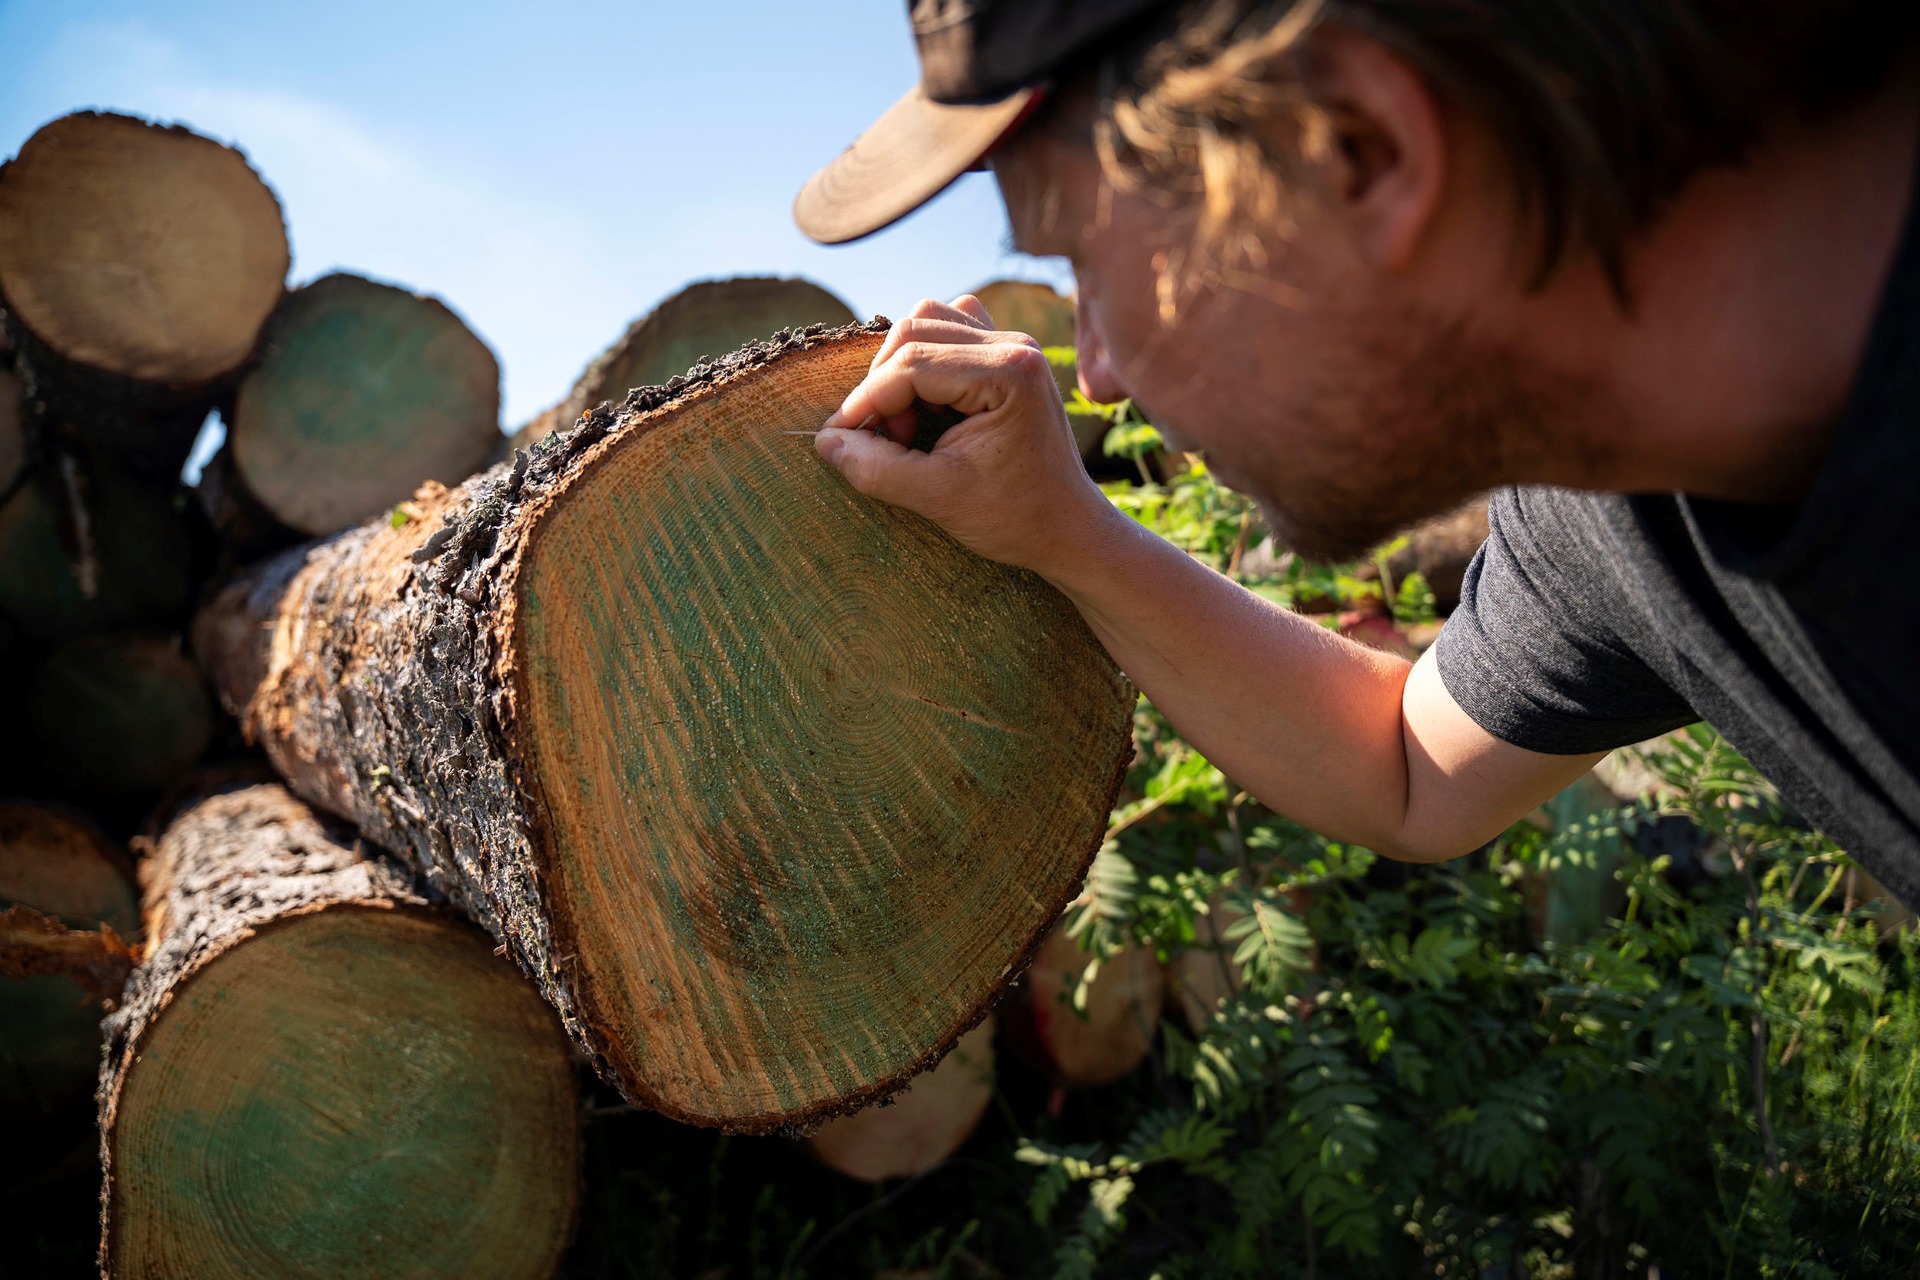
59 866
137 263
362 393
85 550
13 430
925 1124
316 1073
769 786
698 323
114 716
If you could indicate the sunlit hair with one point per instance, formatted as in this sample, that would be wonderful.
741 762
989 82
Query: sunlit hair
1602 109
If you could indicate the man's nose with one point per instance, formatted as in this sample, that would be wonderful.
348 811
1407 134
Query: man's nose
1098 381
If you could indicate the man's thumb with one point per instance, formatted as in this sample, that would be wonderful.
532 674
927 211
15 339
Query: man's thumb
879 467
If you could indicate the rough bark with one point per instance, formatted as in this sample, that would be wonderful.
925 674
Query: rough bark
769 787
701 321
317 1072
92 202
362 392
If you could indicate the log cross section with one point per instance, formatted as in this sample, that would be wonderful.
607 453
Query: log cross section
770 787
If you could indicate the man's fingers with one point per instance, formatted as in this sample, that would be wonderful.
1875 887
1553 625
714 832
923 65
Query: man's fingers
930 329
971 379
974 308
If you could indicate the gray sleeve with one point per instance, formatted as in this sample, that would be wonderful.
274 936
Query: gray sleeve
1536 652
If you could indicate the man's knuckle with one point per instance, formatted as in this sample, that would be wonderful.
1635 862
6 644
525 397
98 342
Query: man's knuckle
926 309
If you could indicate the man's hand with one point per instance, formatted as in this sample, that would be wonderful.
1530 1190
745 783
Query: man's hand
1006 480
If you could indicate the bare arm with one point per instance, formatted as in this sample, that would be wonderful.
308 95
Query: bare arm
1353 743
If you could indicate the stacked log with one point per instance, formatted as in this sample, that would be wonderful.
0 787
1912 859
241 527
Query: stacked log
363 391
116 716
708 740
60 866
703 320
137 265
316 1072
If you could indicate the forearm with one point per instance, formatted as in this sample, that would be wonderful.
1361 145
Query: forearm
1307 721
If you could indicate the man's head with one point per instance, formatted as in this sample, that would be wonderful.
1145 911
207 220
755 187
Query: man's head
1309 237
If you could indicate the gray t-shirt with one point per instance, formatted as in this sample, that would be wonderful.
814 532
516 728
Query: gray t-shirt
1590 621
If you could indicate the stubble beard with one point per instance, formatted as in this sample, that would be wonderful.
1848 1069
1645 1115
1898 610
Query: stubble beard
1414 420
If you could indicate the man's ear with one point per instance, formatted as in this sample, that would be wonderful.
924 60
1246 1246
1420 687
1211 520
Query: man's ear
1387 146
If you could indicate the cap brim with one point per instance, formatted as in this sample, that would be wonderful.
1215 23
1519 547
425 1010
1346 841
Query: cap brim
904 159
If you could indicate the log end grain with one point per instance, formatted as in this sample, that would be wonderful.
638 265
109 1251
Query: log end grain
362 392
118 715
1114 1033
804 761
318 1074
139 250
60 866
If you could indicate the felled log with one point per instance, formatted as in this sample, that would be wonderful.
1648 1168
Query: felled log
1024 306
703 320
85 549
927 1122
137 264
362 392
1109 1037
60 868
316 1073
119 715
13 429
769 786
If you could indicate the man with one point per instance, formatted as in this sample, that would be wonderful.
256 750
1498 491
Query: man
1642 269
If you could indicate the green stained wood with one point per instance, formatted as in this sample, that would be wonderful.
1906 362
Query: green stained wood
117 715
348 1094
141 553
363 391
821 767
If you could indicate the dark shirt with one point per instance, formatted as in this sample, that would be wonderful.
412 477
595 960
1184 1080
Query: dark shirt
1590 621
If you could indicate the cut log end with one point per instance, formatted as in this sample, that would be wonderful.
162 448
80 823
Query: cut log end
363 391
924 1125
318 1075
139 250
1114 1033
118 715
796 745
59 867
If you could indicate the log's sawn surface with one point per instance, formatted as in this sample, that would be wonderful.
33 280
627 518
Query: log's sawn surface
770 787
318 1073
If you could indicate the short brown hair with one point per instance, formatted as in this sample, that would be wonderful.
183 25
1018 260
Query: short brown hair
1603 109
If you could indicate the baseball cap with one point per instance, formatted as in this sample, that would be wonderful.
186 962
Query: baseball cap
985 66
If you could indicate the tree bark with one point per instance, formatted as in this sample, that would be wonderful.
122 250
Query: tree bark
318 1073
93 202
701 321
768 786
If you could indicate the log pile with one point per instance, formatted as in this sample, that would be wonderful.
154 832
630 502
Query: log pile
731 767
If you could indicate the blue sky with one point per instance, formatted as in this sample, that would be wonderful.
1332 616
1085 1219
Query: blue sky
551 169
